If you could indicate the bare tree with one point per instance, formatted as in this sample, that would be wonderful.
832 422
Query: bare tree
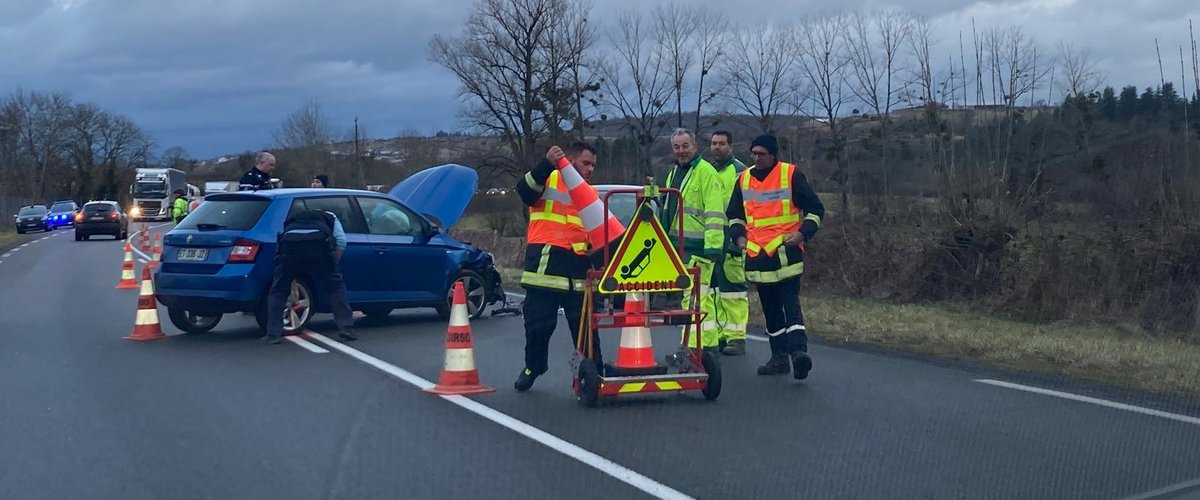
1014 63
921 43
712 34
824 63
676 25
874 45
305 128
759 72
576 36
637 84
1081 75
511 62
41 136
175 157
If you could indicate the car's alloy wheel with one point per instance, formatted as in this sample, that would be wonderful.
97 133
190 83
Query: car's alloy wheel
475 291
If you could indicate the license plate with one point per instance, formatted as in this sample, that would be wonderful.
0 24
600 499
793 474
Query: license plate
192 254
101 217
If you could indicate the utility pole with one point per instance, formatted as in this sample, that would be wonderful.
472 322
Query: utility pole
362 179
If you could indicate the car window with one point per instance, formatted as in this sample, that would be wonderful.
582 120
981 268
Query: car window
386 217
94 208
238 214
63 207
339 205
33 211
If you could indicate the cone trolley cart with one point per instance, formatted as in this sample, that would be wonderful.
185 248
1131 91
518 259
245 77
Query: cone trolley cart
644 263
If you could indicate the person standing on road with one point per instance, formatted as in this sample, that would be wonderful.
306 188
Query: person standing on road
703 198
556 258
311 244
259 176
772 212
729 274
179 207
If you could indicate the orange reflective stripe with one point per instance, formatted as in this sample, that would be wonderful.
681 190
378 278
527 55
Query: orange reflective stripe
554 221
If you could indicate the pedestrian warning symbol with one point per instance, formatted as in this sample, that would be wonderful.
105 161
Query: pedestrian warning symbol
645 260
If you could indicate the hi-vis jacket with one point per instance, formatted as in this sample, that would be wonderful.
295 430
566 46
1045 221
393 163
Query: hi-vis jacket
557 245
767 207
703 208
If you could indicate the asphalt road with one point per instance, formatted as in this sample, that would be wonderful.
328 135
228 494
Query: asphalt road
90 415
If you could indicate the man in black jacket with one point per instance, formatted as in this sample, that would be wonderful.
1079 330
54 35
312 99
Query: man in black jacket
259 176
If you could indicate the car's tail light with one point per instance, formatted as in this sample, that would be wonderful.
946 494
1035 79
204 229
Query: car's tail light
114 215
244 251
78 217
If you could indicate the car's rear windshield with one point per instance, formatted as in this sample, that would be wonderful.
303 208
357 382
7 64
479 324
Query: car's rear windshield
238 215
95 208
62 207
33 211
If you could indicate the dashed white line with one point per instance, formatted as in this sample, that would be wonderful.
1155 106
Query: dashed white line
6 255
1167 492
551 441
1096 401
295 339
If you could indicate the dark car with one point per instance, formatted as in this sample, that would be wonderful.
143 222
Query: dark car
62 213
101 217
219 259
32 218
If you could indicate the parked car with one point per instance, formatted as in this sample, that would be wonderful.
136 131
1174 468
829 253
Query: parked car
62 213
101 217
32 217
219 259
622 205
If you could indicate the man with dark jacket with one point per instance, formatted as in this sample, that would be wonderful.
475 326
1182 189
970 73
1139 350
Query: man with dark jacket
312 244
259 176
772 212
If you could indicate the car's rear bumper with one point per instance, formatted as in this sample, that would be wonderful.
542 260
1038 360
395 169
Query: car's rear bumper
208 293
25 226
98 227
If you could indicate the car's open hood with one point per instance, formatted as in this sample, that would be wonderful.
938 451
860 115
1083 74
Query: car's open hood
442 192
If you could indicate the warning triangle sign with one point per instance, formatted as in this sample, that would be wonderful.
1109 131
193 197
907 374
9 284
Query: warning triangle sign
645 261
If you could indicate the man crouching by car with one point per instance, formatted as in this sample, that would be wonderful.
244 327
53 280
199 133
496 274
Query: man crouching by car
312 243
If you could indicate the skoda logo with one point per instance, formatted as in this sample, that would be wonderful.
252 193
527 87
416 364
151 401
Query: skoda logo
189 238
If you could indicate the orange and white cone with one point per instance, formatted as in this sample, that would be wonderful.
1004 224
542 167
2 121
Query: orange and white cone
128 277
601 225
636 352
156 258
145 238
459 375
146 326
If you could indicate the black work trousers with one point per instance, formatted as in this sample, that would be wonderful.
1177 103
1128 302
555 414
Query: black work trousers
785 321
327 277
541 319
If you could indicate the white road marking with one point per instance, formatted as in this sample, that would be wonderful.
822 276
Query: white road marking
555 443
7 255
24 245
1096 401
1166 492
295 339
134 247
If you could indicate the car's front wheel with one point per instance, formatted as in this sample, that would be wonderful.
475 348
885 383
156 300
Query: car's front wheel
476 292
297 309
191 322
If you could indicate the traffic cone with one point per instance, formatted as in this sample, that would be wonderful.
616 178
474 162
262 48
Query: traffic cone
635 355
146 326
602 226
459 375
156 258
128 277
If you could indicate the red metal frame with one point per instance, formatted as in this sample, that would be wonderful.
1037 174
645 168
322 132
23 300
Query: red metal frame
693 376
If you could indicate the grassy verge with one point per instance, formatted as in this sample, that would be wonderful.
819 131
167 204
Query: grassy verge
7 237
1112 355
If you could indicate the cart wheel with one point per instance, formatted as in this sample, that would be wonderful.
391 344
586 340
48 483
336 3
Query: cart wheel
589 384
712 389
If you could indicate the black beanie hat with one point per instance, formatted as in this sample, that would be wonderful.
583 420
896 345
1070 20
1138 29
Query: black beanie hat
766 141
323 178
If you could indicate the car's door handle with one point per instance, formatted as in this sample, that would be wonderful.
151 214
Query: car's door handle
380 250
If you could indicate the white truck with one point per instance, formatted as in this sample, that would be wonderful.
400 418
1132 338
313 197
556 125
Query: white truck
213 187
152 192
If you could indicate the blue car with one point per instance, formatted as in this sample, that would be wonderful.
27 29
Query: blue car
219 259
62 213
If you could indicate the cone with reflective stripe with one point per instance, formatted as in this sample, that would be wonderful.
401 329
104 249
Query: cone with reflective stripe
156 258
145 238
459 375
601 225
146 326
128 276
635 355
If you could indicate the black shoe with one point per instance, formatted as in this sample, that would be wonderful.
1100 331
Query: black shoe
270 340
777 365
347 335
736 347
801 364
525 380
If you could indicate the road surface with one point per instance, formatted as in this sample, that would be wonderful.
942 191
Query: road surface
219 415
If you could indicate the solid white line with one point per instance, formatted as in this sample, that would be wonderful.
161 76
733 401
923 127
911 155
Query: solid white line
7 255
134 247
295 339
1163 492
555 443
1095 401
25 245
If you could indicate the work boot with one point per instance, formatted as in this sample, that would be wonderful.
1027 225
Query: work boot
735 347
347 334
266 339
777 365
525 380
801 364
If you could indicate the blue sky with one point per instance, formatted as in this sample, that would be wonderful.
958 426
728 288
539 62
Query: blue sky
218 76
